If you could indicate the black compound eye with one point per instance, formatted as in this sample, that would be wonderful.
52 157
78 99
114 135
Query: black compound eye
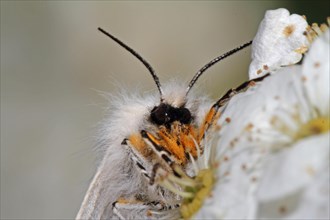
159 114
185 115
165 114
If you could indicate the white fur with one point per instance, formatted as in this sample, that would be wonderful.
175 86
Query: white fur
116 174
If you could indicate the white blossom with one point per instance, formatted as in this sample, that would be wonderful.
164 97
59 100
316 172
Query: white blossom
295 182
280 41
273 153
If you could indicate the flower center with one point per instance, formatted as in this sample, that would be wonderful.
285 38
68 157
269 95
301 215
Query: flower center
204 184
314 127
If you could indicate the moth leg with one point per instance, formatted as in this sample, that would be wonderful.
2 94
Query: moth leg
161 206
166 163
150 208
159 150
155 170
137 145
241 88
138 159
166 212
214 113
116 211
124 205
138 155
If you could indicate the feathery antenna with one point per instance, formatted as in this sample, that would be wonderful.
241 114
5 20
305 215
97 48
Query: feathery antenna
135 54
214 61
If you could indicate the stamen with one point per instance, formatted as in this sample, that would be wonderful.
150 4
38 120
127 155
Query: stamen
197 147
168 185
316 28
191 206
314 31
180 172
313 127
193 162
182 181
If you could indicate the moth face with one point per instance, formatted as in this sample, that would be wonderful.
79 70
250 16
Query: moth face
165 114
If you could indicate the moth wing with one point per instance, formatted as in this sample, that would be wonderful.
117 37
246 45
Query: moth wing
114 178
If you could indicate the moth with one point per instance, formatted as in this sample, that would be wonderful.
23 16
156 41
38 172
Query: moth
144 140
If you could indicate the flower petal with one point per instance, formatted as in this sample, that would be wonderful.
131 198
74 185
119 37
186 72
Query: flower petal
316 74
295 183
294 167
237 180
280 41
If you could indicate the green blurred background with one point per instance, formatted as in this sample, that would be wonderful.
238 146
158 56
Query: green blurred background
54 62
